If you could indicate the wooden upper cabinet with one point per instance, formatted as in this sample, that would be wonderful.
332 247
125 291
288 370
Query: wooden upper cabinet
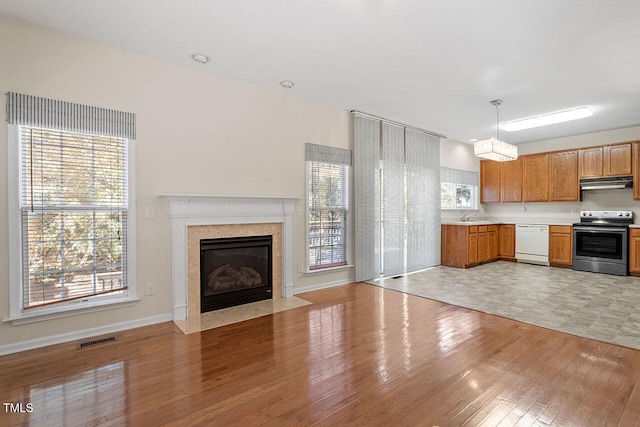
607 160
511 181
635 153
489 181
535 178
563 182
590 162
617 160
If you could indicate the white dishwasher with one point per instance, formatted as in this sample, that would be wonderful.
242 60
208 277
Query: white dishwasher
532 243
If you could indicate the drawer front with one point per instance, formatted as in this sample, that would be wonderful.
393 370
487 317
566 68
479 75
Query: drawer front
482 229
473 229
635 232
562 229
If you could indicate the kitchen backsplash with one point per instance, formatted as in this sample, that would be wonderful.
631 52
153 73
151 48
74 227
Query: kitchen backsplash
594 200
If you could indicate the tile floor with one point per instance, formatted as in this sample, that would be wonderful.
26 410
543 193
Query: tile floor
591 305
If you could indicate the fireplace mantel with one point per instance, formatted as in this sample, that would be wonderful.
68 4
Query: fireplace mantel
194 210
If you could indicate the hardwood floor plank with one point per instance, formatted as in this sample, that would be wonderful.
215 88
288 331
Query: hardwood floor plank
358 355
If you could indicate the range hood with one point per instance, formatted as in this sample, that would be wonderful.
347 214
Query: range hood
607 183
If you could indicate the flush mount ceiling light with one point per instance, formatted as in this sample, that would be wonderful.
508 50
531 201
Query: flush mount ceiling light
199 57
547 119
493 148
286 84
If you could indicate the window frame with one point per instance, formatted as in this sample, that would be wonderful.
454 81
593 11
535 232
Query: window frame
348 221
17 313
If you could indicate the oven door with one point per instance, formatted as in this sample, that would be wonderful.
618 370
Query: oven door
601 249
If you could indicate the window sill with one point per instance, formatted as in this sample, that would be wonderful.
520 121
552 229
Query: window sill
329 269
43 314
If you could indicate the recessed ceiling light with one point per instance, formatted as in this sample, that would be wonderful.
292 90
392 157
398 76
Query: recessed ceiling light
199 57
473 140
286 84
547 119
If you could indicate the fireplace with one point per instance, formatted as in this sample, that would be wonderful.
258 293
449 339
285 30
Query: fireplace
235 271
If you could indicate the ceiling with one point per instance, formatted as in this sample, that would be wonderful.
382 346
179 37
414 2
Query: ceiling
430 64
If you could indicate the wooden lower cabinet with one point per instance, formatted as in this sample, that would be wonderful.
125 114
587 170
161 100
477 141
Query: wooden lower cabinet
507 242
468 245
560 246
492 242
465 246
634 252
483 244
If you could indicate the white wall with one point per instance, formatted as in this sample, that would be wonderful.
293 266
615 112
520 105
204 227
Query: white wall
458 155
197 133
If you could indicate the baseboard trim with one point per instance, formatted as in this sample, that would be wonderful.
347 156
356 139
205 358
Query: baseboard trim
81 334
323 286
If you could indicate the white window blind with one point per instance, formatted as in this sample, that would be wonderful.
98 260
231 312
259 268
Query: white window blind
328 205
73 214
73 200
397 215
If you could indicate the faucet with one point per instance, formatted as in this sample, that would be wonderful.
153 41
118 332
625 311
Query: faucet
467 217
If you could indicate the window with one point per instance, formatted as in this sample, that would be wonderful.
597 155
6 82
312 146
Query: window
328 205
73 211
458 189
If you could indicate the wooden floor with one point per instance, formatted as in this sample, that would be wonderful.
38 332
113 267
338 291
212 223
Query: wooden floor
359 355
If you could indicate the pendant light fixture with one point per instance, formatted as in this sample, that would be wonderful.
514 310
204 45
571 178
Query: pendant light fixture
493 148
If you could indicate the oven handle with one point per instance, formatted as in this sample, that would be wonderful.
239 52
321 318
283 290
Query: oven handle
599 229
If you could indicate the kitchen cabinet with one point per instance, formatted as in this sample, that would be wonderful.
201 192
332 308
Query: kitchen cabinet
483 244
511 181
555 176
590 162
501 181
468 245
472 245
507 242
634 252
564 182
458 245
490 172
535 178
560 245
617 160
606 160
492 242
487 243
635 153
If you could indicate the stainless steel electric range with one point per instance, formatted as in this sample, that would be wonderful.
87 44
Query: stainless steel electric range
601 242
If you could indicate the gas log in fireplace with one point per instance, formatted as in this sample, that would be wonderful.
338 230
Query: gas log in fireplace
235 271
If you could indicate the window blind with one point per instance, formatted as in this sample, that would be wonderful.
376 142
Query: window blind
73 198
458 176
397 210
74 215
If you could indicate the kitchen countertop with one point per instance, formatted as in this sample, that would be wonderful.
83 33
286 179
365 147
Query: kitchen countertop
532 221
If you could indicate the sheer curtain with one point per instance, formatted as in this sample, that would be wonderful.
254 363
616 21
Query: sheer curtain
397 198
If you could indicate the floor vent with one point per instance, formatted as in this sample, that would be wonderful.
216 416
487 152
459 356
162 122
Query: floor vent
398 277
96 342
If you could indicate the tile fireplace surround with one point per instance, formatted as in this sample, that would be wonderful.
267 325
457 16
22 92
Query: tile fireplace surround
195 217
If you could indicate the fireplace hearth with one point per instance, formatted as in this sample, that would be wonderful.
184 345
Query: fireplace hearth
235 271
